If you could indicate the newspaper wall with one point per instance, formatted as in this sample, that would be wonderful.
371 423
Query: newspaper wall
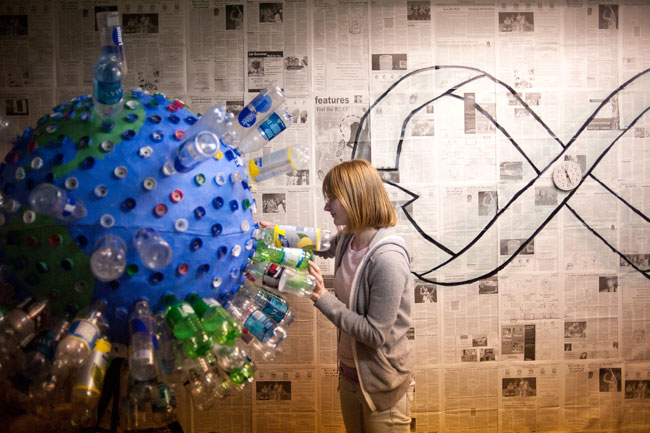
532 304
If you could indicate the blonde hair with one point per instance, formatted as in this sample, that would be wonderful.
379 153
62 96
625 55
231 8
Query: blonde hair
357 185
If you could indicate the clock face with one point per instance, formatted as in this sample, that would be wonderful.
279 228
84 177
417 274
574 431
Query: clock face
567 175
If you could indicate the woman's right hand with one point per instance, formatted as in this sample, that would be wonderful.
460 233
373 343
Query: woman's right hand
264 224
315 272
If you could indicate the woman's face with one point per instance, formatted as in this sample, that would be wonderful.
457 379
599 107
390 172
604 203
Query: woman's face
336 209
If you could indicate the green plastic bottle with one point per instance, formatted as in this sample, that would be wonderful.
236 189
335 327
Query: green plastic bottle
216 321
292 257
242 375
186 326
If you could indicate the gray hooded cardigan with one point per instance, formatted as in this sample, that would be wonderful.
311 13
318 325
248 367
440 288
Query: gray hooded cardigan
378 317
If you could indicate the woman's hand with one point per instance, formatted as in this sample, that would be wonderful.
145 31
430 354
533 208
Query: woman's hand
264 224
314 271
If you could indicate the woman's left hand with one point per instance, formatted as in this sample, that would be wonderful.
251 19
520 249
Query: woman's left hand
315 272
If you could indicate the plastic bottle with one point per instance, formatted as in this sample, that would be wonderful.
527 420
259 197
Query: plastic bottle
279 162
281 278
216 120
39 353
89 325
186 326
267 333
202 382
293 257
168 355
216 321
313 238
109 69
17 330
108 260
235 362
88 385
154 251
268 129
51 200
252 115
272 304
163 409
141 350
192 152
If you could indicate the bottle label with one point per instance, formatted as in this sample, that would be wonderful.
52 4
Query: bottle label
259 325
108 93
272 275
261 103
293 257
141 325
85 331
91 374
296 237
272 126
274 307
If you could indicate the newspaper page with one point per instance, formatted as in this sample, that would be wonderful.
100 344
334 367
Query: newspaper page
215 53
426 408
284 399
470 399
330 419
636 414
465 35
593 388
470 321
232 414
340 45
530 398
27 46
22 108
635 325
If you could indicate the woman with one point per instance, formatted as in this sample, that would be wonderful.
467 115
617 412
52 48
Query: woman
373 301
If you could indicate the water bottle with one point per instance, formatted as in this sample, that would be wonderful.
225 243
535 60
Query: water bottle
163 409
192 152
141 350
51 200
186 326
216 120
252 115
281 278
292 257
202 382
88 386
216 321
235 362
108 260
39 353
313 238
272 304
269 128
267 334
17 330
89 325
109 69
154 251
279 162
168 355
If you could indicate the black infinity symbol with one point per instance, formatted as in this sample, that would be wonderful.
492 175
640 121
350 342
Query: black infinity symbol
360 150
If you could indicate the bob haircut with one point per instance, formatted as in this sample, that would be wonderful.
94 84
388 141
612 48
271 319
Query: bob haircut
357 185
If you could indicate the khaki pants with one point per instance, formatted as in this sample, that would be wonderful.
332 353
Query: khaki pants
359 419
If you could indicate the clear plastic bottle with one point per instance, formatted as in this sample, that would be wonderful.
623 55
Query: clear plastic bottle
168 355
268 334
216 321
17 330
292 257
186 326
141 350
202 382
163 409
281 278
249 118
236 363
108 261
109 69
192 152
279 162
88 386
154 251
51 200
268 129
313 238
39 353
272 304
89 325
216 120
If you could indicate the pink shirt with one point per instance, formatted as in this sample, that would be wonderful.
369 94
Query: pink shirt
342 286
